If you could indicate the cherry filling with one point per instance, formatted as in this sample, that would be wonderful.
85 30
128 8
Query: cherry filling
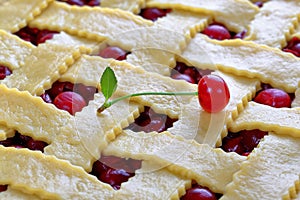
68 96
273 97
197 192
293 46
23 141
82 2
154 13
219 32
34 35
149 121
113 52
114 170
4 71
3 188
190 74
259 4
242 142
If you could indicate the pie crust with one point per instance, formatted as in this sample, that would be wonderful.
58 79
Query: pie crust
188 151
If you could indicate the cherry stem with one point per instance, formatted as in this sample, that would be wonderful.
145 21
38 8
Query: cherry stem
107 104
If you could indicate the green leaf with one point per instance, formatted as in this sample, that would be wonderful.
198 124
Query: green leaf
108 83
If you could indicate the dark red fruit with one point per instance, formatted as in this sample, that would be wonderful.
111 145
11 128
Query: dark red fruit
46 97
87 92
36 145
4 71
113 52
213 93
274 97
93 3
69 101
240 35
242 142
74 2
259 4
34 35
3 188
293 46
184 77
154 13
149 121
59 87
114 170
216 31
199 193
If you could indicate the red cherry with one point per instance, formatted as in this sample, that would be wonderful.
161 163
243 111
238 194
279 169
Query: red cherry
113 52
3 188
293 46
69 101
115 177
44 35
274 97
199 193
87 92
59 87
154 13
4 71
46 97
232 144
184 77
217 32
74 2
251 138
93 3
157 124
213 93
259 4
36 145
180 67
240 35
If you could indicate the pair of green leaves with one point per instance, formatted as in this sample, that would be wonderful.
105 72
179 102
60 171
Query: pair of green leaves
108 83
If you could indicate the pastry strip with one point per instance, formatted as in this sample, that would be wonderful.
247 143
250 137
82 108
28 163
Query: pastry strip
13 50
222 11
274 23
247 59
267 118
67 181
17 13
91 22
152 182
274 164
129 5
183 157
17 195
43 67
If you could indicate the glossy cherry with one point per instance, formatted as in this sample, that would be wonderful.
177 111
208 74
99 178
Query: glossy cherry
34 35
4 71
274 97
213 93
154 13
259 4
293 46
69 101
216 31
3 188
114 170
178 76
199 193
113 52
36 145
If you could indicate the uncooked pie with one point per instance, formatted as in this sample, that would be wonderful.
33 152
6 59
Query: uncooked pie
54 144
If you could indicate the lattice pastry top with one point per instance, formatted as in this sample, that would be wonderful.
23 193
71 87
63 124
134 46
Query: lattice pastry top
55 145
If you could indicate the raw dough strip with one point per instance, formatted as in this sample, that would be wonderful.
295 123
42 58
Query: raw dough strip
88 70
92 22
163 60
266 118
13 50
133 6
67 181
275 22
17 195
183 157
19 12
43 67
274 164
222 11
247 59
152 182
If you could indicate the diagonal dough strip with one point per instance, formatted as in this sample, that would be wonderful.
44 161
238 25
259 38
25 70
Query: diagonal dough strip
17 13
285 121
222 11
183 157
67 181
274 164
248 59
